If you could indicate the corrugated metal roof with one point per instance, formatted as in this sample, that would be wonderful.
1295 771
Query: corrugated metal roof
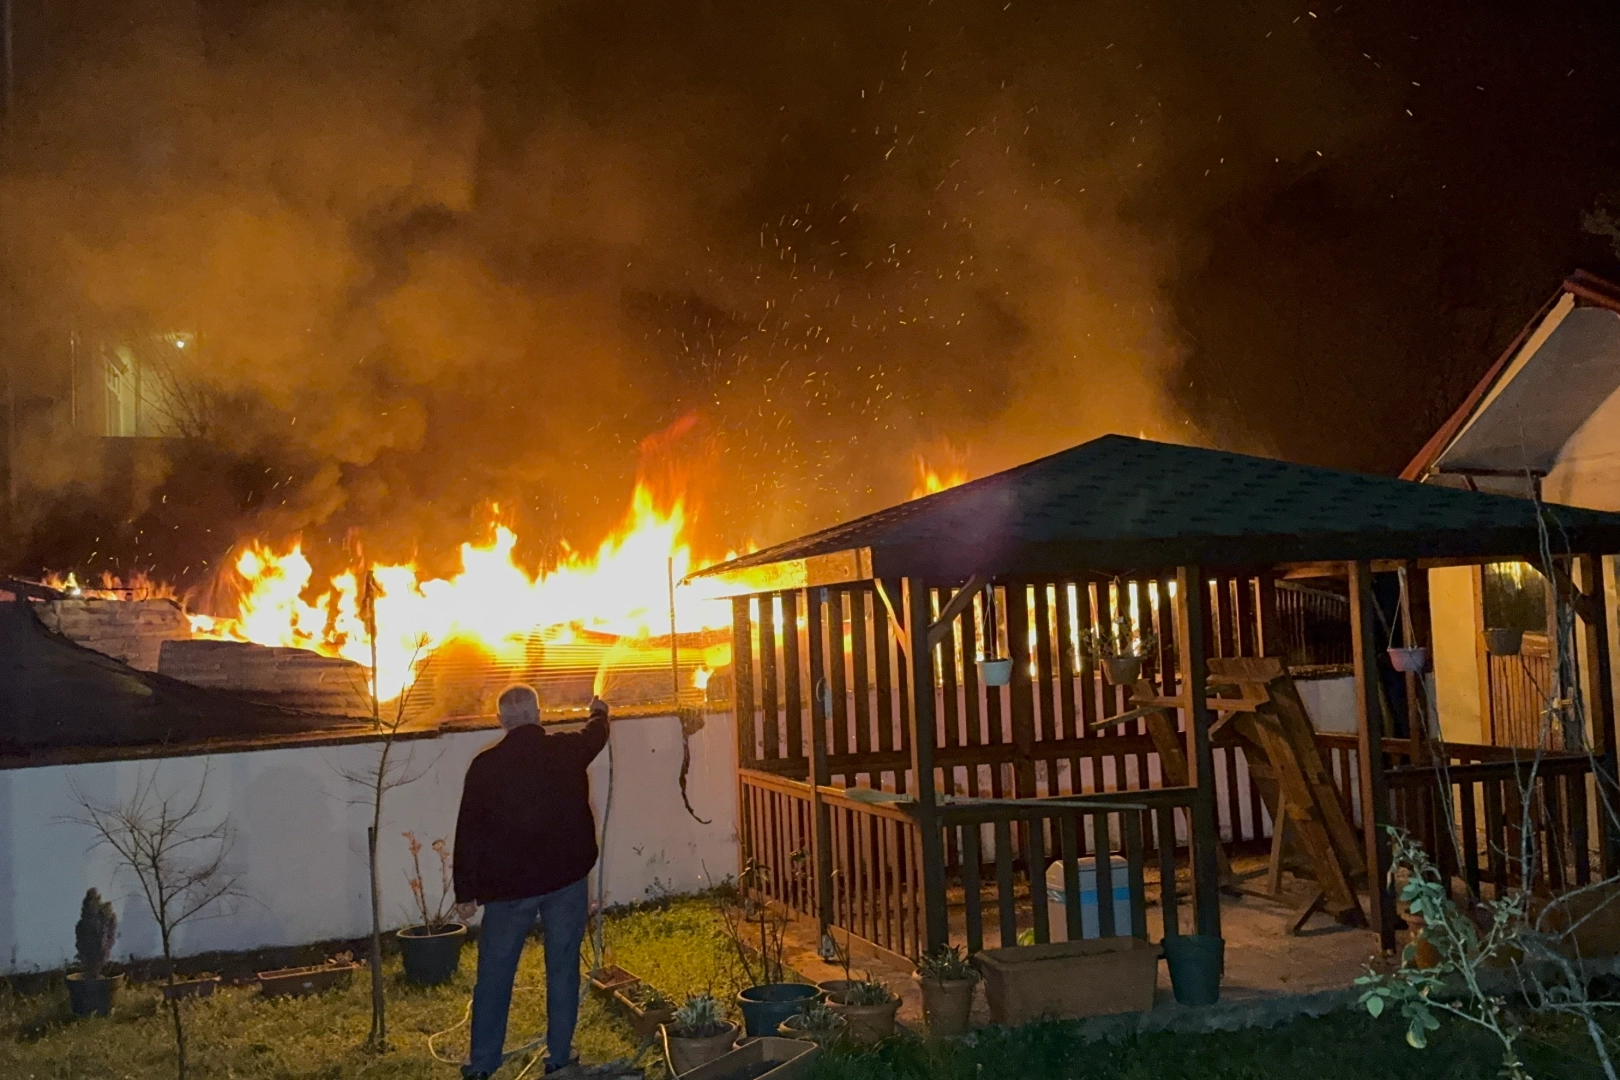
1118 503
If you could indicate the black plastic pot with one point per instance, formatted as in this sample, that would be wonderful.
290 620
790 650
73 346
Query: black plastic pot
431 956
765 1007
92 997
1196 962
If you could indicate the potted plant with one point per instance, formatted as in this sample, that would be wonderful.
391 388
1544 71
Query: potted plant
1119 650
697 1033
91 990
299 981
947 980
646 1007
431 949
769 998
869 1006
814 1022
1504 641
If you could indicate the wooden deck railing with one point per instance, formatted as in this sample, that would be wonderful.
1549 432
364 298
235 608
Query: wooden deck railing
1490 821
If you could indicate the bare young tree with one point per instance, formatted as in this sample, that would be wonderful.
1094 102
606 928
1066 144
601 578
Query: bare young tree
176 848
385 773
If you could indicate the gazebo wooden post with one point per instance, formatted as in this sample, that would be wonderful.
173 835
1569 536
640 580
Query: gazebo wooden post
925 808
1370 747
1191 595
820 815
1601 706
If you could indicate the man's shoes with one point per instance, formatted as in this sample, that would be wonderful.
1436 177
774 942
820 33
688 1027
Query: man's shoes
569 1064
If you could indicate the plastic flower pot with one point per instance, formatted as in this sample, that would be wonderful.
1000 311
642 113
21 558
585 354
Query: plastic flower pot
868 1024
1410 660
644 1020
296 982
947 1005
770 1058
1504 641
684 1052
832 987
1122 670
611 978
1196 962
92 997
995 672
431 955
765 1007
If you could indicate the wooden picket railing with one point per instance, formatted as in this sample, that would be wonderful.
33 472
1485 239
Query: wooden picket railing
1490 821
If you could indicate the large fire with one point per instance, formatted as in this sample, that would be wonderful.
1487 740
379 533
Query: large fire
623 588
932 479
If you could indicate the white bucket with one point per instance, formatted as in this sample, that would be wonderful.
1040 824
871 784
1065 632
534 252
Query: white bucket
1056 904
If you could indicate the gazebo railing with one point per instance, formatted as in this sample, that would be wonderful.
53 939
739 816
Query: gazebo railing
1499 812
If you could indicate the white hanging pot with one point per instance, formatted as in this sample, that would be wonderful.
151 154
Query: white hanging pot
995 672
1409 660
1504 641
1122 670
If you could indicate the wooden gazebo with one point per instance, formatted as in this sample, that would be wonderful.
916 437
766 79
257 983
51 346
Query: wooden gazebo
885 791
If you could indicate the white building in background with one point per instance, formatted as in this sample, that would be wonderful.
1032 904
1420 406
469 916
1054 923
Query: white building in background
1543 422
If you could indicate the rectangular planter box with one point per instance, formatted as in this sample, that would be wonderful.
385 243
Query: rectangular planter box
304 980
790 1059
1071 979
611 978
191 988
644 1021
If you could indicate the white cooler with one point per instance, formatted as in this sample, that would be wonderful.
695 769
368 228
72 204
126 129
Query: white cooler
1056 911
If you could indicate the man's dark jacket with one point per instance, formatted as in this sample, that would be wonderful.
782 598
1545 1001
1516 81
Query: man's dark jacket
525 826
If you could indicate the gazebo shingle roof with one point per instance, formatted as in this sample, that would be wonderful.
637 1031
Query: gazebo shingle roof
1117 503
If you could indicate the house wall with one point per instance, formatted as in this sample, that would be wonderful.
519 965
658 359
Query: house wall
1330 703
1587 472
1455 636
300 836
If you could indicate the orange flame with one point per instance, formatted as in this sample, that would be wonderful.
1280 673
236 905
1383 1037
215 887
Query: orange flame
621 589
931 480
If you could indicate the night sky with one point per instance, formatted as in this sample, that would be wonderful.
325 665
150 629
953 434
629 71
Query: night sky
441 256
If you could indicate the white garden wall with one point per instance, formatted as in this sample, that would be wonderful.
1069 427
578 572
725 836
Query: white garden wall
299 849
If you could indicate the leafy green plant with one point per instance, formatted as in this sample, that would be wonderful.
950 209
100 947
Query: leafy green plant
814 1016
1121 639
945 964
646 997
700 1016
94 934
865 991
1451 980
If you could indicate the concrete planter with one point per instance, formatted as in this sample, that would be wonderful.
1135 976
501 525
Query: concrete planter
297 982
1069 980
768 1058
947 1005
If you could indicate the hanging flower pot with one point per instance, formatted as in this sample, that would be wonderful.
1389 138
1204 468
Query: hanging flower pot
995 672
1409 660
1504 641
1122 670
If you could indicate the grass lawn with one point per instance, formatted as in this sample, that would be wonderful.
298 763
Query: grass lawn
678 947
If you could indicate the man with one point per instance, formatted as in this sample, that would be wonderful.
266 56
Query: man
525 845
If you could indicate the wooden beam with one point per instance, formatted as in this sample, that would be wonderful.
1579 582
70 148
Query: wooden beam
1370 748
889 593
1588 607
920 688
820 775
962 600
1601 706
1191 596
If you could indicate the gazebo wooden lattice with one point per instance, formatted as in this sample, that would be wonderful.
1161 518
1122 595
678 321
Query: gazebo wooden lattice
854 675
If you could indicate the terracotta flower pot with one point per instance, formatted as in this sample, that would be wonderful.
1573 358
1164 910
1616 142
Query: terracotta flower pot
947 1005
867 1023
685 1052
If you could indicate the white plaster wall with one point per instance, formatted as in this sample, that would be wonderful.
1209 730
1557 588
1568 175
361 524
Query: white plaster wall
299 848
1330 703
1587 472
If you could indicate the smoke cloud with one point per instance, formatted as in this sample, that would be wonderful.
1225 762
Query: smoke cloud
438 256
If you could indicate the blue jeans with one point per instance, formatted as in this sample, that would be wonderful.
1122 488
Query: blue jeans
563 915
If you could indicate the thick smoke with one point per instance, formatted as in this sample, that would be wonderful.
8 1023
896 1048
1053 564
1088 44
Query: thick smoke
441 256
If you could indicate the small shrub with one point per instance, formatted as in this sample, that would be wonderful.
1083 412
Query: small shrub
814 1015
700 1016
945 964
94 934
865 991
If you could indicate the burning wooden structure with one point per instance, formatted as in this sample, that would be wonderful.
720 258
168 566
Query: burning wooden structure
885 790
